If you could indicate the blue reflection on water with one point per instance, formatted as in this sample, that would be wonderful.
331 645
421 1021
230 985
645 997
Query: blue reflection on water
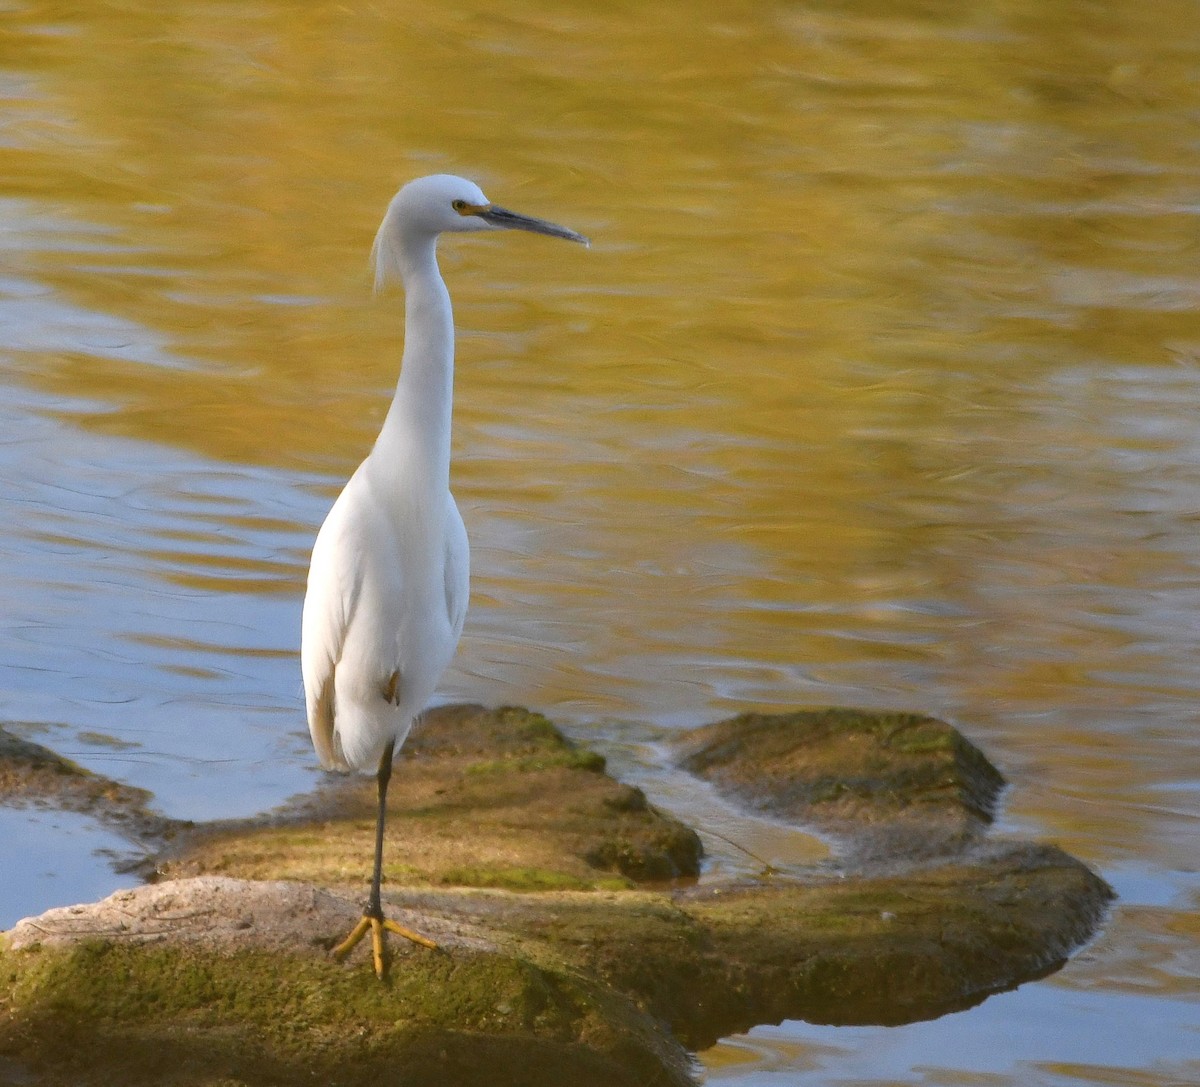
99 611
1036 1035
52 858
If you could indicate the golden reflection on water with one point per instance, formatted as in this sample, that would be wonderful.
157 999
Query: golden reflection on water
877 385
839 371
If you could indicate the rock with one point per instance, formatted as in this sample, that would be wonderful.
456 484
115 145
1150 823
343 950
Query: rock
214 980
215 913
479 798
576 944
890 786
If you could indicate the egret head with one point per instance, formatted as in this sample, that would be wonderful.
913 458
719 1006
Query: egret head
438 204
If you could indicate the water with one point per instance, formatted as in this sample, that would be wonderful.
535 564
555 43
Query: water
55 856
878 386
1046 1037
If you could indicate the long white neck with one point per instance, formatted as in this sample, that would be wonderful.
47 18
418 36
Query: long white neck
415 438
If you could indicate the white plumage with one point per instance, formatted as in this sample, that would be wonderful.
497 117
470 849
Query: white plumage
390 570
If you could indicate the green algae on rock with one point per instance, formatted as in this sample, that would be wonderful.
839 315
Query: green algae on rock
218 980
891 785
482 798
895 949
712 960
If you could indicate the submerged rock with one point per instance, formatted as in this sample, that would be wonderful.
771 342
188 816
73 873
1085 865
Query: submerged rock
35 775
576 945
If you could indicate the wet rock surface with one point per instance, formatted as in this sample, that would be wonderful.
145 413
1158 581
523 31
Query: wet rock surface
575 947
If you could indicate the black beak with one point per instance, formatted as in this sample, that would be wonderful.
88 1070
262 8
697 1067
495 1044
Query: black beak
510 220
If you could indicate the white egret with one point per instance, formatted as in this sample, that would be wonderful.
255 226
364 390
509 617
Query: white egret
388 581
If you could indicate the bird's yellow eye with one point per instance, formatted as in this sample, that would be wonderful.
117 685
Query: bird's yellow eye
459 205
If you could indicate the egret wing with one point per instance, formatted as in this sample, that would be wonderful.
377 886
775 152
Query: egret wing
457 569
334 586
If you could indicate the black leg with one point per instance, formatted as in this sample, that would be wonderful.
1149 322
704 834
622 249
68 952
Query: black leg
373 920
374 906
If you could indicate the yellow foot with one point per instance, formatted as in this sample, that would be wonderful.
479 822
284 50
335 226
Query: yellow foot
378 925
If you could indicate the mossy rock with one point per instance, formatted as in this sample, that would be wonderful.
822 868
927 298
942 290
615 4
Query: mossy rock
576 944
190 980
480 798
893 785
222 981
